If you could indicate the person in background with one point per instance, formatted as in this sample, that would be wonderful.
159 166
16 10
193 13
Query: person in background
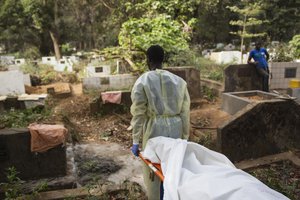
261 57
160 107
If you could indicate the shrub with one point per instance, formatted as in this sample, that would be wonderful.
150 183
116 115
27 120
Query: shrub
295 46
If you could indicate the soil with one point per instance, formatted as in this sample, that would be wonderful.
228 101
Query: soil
255 98
282 176
204 123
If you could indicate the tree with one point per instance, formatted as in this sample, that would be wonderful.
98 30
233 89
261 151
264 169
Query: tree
44 14
140 34
283 17
15 30
248 17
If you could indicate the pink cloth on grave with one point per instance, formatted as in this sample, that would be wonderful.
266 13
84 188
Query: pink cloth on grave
45 136
111 97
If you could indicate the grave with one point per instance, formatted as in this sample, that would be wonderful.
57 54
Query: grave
19 61
49 60
63 65
232 102
12 83
225 57
109 83
192 78
97 105
241 78
98 71
31 101
259 129
15 151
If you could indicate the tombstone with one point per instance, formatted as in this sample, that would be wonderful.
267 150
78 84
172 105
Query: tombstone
73 59
98 71
19 61
192 78
108 83
63 65
11 83
224 57
49 60
241 78
15 151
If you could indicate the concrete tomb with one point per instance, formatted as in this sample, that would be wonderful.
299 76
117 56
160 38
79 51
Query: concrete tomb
241 78
192 78
261 128
15 152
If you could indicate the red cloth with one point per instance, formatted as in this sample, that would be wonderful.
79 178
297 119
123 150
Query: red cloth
44 136
111 97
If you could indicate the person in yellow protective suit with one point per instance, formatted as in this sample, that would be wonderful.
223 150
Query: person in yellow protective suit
160 107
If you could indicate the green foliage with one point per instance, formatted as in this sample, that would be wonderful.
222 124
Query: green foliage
31 52
187 57
22 118
281 177
295 46
140 34
66 49
284 19
249 16
208 93
281 53
13 187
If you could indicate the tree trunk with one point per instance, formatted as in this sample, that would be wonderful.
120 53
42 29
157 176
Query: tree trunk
242 38
55 45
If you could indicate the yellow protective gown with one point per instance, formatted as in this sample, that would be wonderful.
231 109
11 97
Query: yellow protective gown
160 107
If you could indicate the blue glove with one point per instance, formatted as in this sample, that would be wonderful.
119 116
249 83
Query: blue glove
135 149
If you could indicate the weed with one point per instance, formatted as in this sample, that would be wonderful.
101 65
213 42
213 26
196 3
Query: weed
206 140
13 187
209 94
22 118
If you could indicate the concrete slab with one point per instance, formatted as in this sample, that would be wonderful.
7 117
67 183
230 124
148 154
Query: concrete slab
232 102
11 83
108 83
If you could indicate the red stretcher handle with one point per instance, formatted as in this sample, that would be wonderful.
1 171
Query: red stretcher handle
156 168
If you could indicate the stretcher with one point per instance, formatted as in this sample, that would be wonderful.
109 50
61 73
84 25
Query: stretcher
155 167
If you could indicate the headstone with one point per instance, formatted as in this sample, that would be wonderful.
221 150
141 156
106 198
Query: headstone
63 65
11 83
192 78
98 70
241 78
109 83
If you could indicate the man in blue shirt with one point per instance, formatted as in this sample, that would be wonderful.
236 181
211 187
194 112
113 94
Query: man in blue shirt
261 57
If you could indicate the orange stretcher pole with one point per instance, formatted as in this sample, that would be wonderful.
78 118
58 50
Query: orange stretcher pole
156 168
